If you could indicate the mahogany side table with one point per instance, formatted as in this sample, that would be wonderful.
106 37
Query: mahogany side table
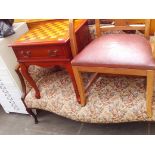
47 45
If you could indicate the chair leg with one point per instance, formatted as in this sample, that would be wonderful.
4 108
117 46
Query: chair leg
80 86
70 71
32 114
149 92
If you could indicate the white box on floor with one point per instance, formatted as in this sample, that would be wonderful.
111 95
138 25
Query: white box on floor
10 86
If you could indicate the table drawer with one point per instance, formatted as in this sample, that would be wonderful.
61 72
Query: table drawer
52 52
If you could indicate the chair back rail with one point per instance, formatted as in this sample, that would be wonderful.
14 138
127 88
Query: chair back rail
72 37
123 24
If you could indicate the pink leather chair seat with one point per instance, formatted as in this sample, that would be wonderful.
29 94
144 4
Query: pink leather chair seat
117 51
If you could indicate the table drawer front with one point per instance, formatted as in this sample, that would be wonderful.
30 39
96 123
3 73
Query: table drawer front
40 52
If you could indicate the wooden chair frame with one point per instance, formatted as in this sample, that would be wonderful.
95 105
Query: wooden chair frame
149 74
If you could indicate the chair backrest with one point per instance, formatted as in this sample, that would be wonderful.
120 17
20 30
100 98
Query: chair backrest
123 24
117 24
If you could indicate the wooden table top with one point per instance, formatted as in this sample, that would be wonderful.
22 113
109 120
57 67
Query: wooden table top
55 31
30 20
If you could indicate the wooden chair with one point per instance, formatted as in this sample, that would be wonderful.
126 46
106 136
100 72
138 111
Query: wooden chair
123 54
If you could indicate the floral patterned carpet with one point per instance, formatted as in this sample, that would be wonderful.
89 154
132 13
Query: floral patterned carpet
111 99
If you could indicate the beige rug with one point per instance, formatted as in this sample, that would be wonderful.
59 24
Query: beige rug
111 99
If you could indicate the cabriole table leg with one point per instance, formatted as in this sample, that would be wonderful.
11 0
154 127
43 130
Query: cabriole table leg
25 73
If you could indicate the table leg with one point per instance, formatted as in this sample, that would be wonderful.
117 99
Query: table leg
70 71
25 73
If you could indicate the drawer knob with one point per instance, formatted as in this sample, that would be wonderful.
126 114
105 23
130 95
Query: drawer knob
52 53
26 54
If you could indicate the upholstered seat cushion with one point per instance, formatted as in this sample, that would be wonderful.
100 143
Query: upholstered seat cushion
110 99
117 50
